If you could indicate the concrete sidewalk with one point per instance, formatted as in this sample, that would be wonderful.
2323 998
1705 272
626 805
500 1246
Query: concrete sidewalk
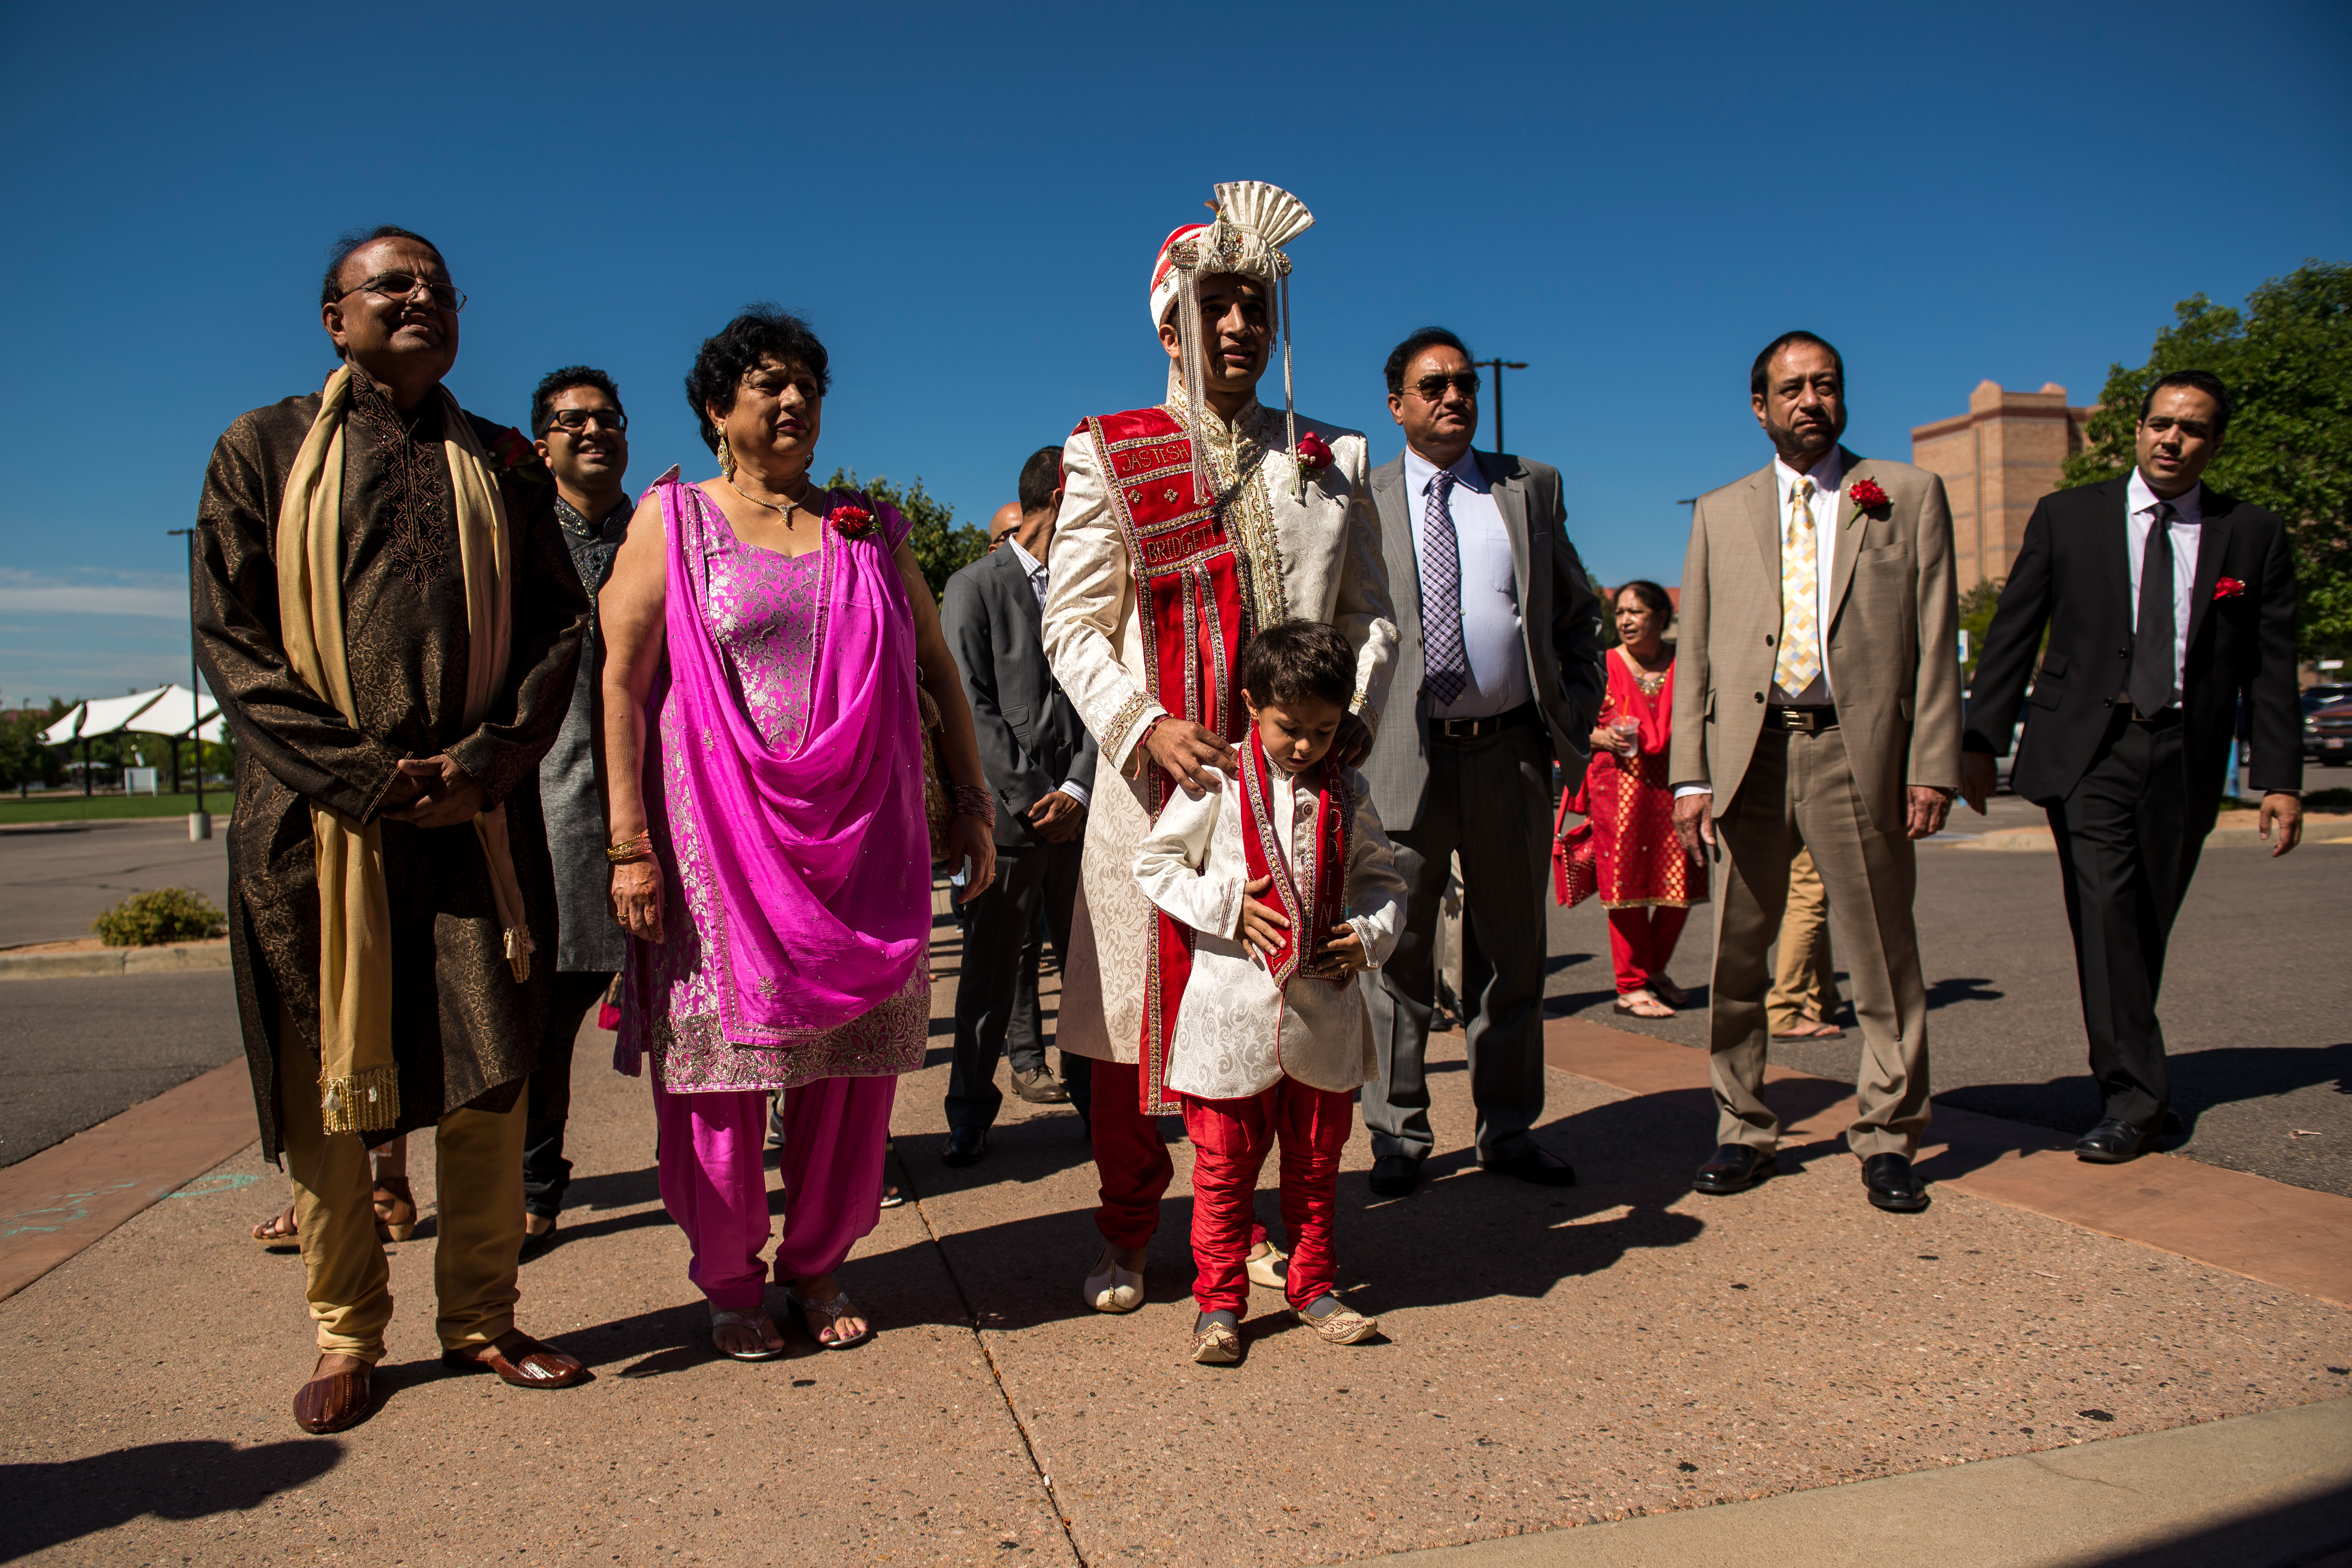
1551 1359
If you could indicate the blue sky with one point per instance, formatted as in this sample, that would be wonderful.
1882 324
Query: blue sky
966 201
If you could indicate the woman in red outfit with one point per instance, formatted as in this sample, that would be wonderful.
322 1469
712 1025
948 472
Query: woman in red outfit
1645 882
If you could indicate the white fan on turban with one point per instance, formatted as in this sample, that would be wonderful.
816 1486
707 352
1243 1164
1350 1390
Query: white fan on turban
1254 220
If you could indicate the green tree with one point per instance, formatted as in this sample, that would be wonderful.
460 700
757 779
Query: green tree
1976 606
24 761
2287 361
942 547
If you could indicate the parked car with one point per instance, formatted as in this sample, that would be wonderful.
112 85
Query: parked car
2327 735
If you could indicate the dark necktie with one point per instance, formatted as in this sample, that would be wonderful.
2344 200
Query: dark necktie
1447 666
2152 666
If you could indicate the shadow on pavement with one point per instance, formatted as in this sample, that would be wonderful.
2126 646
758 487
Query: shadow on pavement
2200 1080
2302 1532
43 1506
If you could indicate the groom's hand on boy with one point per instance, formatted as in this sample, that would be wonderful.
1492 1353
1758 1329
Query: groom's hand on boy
1262 925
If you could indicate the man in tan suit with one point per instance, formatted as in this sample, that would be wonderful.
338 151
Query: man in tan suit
1818 707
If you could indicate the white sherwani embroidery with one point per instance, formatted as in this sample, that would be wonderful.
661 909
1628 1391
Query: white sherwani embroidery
1236 1033
1320 558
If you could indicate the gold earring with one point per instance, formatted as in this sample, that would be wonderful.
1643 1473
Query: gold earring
726 458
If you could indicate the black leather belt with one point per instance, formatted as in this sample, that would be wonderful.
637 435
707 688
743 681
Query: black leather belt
1801 721
1472 729
2164 718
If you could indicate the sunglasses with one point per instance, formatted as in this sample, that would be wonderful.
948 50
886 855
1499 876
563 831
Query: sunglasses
1432 387
575 420
404 286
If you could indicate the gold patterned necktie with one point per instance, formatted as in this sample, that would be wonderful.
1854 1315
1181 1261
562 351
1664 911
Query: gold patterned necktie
1800 634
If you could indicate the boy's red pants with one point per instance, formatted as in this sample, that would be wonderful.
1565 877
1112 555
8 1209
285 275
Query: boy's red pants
1230 1140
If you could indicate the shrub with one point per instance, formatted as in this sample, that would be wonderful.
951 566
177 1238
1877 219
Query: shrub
2329 800
167 914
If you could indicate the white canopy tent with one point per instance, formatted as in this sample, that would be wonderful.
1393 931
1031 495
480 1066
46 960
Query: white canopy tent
172 712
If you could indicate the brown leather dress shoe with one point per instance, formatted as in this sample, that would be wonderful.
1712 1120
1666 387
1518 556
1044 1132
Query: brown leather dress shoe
522 1361
334 1401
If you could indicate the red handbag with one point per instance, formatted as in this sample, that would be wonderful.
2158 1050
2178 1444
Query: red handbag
1575 874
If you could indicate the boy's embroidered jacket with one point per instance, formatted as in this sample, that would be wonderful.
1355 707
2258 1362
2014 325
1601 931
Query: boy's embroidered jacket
1237 1033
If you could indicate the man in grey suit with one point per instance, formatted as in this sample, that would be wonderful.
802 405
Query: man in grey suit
1817 706
1498 635
1039 760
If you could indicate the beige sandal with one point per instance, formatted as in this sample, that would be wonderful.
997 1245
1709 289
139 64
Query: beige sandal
395 1209
1642 1004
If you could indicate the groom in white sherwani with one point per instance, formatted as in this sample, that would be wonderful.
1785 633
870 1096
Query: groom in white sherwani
1185 528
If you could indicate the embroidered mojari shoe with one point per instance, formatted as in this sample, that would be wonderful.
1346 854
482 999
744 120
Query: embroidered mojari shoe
1268 1265
1216 1340
1110 1287
1338 1325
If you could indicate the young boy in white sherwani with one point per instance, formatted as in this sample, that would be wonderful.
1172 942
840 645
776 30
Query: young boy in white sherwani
1281 870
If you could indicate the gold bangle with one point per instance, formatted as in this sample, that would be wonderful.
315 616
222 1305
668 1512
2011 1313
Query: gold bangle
637 847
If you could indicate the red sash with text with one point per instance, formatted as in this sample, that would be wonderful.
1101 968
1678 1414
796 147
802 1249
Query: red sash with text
1193 594
1312 891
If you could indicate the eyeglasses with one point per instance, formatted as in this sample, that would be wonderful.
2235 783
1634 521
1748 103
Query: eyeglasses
1432 387
404 286
575 420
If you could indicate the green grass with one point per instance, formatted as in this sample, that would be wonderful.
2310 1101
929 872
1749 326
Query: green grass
59 807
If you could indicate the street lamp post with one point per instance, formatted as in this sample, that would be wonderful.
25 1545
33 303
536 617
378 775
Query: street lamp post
1498 367
200 822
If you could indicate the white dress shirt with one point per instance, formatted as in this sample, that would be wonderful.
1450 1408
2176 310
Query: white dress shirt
1235 1033
1036 572
1826 476
1491 635
2187 535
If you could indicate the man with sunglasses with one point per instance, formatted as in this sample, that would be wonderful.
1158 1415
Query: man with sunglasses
385 609
582 435
1499 643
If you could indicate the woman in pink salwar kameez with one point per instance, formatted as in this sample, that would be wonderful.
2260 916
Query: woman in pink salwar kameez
764 641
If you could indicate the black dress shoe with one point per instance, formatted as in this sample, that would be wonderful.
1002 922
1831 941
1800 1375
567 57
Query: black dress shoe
1394 1175
2114 1141
1893 1184
533 1245
966 1146
1531 1163
1734 1168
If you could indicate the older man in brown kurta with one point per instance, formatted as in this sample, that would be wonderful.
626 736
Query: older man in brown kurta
463 1022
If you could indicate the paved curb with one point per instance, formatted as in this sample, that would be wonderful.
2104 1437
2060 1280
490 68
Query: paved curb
70 1194
170 959
2271 1490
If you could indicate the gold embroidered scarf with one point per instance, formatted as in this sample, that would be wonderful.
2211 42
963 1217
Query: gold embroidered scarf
359 1081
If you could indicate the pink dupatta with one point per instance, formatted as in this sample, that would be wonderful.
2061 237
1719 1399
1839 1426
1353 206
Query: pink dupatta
821 856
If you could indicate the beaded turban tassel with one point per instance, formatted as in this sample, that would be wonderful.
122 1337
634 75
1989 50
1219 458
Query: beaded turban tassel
1253 221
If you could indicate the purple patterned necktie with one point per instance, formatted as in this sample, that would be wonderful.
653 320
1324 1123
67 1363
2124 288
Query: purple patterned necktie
1442 659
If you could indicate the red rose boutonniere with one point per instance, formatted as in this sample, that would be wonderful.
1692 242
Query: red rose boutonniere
850 521
2229 588
1314 456
1867 498
515 455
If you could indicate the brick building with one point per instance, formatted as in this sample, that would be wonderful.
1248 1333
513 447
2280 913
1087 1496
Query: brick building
1997 460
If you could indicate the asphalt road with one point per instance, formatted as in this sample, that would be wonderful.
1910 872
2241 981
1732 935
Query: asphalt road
2257 1005
55 878
2258 1008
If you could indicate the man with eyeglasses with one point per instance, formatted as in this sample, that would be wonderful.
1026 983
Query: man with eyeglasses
386 611
2168 604
1499 643
582 435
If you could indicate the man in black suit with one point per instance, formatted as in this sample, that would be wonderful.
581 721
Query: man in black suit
1499 673
1039 759
2167 603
